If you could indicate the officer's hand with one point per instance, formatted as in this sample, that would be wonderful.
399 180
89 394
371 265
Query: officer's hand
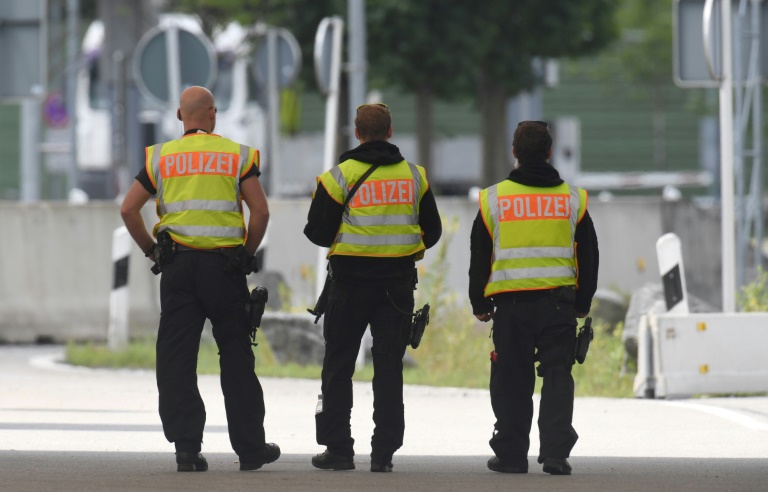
484 317
582 315
153 253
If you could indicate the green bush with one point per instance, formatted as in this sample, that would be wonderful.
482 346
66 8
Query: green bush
754 296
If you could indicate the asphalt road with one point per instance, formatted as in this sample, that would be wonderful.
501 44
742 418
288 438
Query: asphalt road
75 429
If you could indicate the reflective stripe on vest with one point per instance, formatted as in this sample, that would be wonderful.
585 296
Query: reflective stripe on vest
382 218
544 258
214 217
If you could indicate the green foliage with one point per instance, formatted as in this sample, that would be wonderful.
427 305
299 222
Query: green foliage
455 348
219 12
411 45
139 354
444 49
440 43
754 296
645 50
532 28
642 53
601 373
454 352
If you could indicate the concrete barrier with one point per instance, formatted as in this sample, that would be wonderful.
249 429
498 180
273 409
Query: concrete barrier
56 265
56 273
684 354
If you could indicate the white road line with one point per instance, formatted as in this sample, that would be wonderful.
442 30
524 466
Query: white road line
727 414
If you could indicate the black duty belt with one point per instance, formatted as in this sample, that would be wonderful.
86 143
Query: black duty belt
181 247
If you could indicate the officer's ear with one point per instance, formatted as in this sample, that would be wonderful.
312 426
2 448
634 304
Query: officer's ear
389 133
178 114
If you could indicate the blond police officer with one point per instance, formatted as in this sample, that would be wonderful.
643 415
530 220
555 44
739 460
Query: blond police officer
374 243
533 270
200 181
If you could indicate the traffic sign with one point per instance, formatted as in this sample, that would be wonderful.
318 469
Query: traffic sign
55 112
171 58
288 59
691 49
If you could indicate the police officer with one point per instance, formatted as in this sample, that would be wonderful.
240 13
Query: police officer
374 243
533 270
200 181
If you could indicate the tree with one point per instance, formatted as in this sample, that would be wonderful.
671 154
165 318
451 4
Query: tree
412 48
446 49
451 49
504 52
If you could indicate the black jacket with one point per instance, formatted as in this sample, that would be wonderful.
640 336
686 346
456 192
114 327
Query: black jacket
541 175
325 213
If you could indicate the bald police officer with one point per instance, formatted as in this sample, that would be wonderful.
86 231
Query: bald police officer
200 181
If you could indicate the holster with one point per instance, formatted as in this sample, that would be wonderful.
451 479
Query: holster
322 300
164 252
583 339
256 304
240 260
418 325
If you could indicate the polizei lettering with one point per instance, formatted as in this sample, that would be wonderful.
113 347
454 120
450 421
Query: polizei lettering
534 207
189 163
384 192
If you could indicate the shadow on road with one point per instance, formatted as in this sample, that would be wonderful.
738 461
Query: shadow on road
89 471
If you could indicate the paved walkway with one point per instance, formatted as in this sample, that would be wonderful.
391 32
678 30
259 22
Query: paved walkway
65 428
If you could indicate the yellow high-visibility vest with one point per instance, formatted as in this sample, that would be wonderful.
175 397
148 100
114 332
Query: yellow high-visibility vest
382 219
198 189
532 230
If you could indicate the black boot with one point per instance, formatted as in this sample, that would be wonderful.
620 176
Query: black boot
269 453
557 466
191 462
503 466
328 460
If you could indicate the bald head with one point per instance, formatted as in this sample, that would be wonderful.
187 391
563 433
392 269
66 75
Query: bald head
197 109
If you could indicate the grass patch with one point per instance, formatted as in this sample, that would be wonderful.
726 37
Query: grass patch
455 350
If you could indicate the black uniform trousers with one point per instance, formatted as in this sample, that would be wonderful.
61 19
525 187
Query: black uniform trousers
351 307
196 286
525 324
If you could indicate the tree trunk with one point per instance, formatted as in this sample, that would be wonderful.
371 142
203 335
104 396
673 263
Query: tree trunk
424 127
493 126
